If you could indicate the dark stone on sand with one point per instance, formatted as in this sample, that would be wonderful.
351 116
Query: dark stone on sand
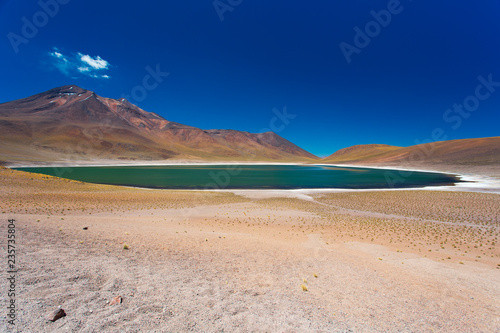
57 314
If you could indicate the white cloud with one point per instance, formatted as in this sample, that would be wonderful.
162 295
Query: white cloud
83 69
96 63
98 76
57 55
78 63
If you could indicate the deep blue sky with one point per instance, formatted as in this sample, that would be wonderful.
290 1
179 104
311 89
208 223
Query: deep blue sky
266 55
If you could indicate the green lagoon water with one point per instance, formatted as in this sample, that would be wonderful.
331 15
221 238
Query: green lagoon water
247 176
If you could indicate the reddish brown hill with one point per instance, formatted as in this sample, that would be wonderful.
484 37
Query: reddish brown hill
360 153
460 155
73 123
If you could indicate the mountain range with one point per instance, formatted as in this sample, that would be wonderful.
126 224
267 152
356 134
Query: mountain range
73 124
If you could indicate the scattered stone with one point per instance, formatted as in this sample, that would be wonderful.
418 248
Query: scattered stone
116 300
57 314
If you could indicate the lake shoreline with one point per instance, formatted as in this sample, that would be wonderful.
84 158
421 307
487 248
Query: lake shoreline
470 182
246 178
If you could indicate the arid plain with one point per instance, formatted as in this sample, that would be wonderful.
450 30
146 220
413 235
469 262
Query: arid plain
406 260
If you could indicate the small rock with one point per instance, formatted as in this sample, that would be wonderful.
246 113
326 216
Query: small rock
57 314
116 300
85 228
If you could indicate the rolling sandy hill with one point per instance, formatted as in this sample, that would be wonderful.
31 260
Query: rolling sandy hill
454 155
360 152
71 123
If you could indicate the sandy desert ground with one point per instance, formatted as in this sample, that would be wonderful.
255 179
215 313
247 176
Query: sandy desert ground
366 261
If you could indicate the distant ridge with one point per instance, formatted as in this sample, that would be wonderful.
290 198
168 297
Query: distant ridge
71 123
360 152
465 155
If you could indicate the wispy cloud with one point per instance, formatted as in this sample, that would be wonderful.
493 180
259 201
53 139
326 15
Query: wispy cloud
95 63
76 64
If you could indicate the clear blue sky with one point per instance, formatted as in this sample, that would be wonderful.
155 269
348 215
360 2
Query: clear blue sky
232 73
